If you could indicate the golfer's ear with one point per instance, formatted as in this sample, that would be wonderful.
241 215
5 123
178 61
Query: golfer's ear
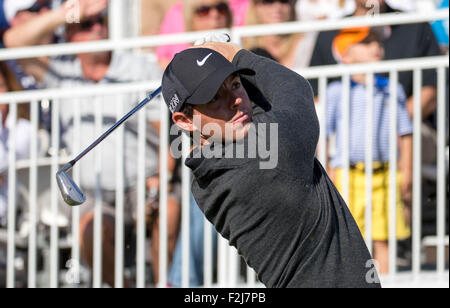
183 122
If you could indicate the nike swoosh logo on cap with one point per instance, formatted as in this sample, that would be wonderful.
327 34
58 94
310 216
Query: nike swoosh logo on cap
201 63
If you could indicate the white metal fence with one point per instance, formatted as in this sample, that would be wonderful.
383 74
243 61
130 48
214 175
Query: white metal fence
36 244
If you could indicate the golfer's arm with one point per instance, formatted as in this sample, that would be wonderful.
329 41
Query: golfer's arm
278 84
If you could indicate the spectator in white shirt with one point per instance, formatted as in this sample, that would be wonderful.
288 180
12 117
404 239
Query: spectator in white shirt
22 136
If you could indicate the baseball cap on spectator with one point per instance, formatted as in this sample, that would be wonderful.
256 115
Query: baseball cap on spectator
12 7
195 76
363 35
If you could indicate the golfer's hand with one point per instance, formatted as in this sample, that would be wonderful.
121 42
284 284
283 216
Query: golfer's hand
218 38
228 50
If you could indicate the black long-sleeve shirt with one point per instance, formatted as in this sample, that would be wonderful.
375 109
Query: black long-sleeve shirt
289 223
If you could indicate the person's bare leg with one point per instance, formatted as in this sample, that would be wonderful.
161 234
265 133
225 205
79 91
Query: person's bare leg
173 227
381 255
87 241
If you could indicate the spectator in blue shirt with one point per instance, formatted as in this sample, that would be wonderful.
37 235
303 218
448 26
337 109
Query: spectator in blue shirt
440 28
358 46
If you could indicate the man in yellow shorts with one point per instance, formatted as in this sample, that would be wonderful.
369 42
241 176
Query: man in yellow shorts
360 45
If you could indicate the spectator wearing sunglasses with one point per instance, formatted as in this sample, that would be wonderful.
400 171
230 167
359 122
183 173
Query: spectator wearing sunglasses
291 50
199 15
93 68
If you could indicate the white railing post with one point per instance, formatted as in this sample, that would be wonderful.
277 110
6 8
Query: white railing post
323 155
393 146
369 159
76 177
11 247
32 247
345 103
140 217
120 199
233 267
115 19
251 277
222 261
98 211
163 197
208 253
417 175
54 230
185 214
442 170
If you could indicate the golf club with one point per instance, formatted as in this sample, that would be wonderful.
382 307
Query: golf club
70 192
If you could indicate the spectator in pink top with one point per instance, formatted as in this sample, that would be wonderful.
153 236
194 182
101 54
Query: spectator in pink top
199 15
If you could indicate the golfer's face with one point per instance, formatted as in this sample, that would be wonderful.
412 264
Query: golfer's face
230 111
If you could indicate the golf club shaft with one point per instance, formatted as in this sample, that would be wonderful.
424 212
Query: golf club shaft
113 128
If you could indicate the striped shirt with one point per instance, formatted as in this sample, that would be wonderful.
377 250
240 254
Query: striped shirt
381 121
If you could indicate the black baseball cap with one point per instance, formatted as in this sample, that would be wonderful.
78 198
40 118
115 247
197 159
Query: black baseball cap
195 76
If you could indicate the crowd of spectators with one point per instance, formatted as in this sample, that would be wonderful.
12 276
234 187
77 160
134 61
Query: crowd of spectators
39 22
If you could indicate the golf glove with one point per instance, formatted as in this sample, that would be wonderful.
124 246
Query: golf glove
219 38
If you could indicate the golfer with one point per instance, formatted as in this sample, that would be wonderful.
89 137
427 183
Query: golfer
288 222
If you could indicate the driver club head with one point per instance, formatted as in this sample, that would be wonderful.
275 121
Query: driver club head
70 192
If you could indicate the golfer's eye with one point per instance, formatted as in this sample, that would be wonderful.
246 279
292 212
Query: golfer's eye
236 85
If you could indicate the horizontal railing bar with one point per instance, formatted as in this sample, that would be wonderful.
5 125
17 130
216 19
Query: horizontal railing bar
313 72
348 22
375 67
188 37
103 45
91 90
41 162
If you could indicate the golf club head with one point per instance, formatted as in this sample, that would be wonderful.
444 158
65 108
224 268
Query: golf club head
70 192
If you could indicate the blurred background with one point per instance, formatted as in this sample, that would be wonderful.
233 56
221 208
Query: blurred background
70 69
